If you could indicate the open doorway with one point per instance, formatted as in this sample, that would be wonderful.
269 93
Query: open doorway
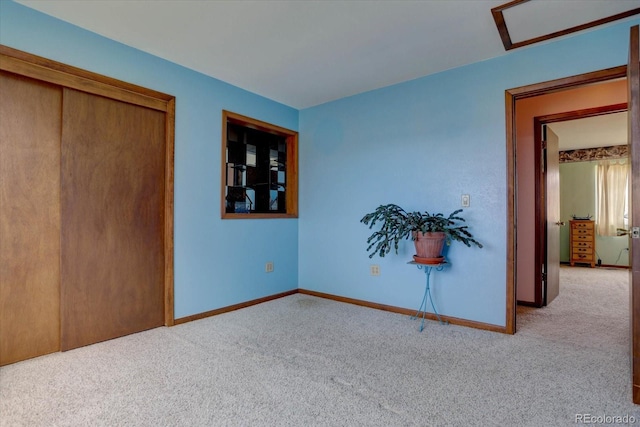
529 209
582 183
588 257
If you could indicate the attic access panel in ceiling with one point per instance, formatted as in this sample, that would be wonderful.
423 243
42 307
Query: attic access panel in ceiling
524 22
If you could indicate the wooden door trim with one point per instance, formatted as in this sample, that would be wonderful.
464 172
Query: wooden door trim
39 68
633 78
169 319
511 96
584 113
541 217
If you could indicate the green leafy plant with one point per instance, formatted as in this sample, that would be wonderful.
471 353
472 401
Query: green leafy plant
396 224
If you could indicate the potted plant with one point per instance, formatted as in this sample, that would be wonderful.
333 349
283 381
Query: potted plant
428 231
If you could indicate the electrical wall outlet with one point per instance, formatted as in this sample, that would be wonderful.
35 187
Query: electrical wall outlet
374 269
465 200
268 267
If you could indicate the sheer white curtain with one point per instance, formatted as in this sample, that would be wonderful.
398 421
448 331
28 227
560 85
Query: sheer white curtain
611 182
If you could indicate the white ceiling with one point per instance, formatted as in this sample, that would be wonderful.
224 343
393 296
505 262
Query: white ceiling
304 53
598 131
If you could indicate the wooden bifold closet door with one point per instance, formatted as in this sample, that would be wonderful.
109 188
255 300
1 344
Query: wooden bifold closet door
112 180
30 119
85 210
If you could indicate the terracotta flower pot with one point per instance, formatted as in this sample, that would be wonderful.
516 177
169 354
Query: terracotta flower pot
429 246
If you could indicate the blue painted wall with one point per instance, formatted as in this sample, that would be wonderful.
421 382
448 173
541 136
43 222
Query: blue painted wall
217 263
422 144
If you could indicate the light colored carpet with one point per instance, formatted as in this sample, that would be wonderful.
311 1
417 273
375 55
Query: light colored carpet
306 361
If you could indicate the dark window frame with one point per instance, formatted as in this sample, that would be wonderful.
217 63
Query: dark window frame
289 137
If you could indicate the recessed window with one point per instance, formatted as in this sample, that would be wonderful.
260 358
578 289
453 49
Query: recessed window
259 169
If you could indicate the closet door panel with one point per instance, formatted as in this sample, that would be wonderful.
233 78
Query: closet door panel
112 200
30 117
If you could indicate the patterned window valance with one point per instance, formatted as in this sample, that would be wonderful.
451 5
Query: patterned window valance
599 153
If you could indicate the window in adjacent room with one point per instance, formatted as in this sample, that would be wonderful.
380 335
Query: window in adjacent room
259 169
612 180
